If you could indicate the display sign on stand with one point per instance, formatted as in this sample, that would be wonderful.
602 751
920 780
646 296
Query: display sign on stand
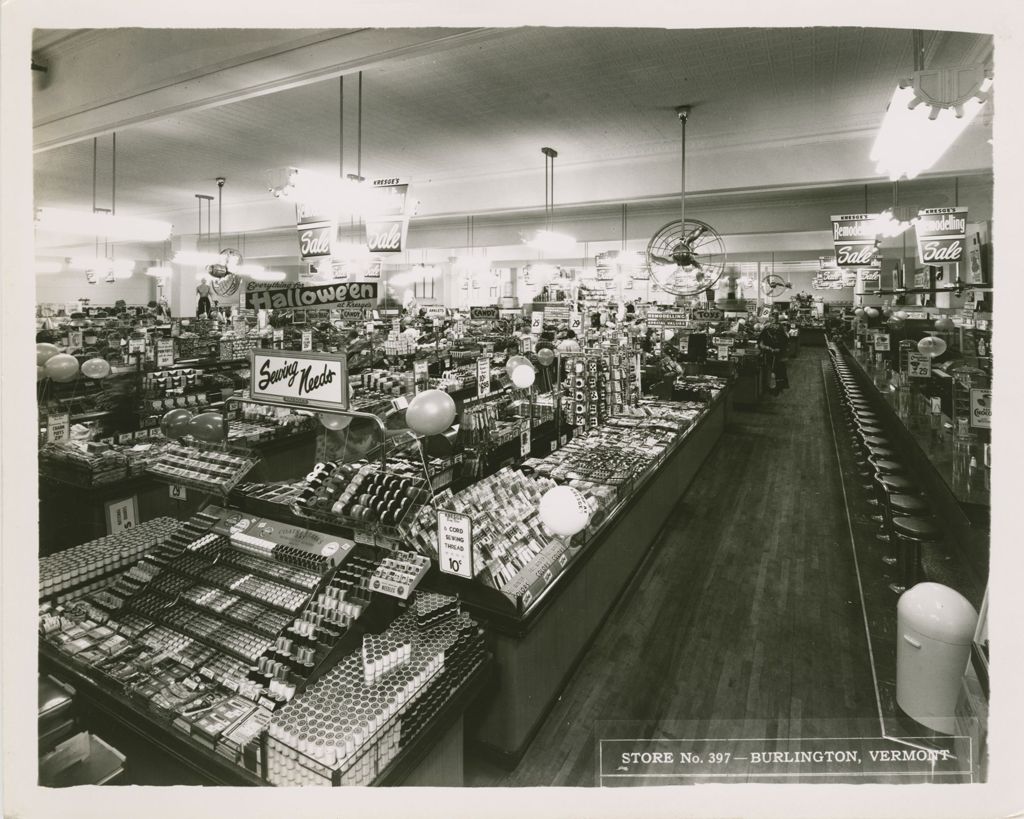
537 322
58 428
524 442
122 515
420 373
981 409
177 491
919 365
668 319
489 313
165 352
307 340
576 322
455 543
882 342
483 377
314 380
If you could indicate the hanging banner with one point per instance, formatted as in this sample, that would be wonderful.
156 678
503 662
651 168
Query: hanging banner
315 240
387 222
261 296
315 380
826 263
855 239
942 235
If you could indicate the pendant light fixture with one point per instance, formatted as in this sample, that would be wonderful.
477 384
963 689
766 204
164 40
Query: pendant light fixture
99 222
893 221
547 240
927 114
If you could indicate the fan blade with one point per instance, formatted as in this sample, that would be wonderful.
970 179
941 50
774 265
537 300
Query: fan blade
695 234
661 260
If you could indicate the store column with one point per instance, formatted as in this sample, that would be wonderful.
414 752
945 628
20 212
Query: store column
183 283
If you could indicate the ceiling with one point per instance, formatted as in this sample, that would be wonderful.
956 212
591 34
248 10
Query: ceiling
466 121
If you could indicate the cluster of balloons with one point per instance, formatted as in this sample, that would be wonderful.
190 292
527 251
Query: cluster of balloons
564 510
206 426
431 412
61 367
944 324
521 371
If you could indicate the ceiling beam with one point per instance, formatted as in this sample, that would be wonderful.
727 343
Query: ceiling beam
352 51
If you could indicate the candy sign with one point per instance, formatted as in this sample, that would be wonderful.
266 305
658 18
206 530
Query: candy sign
919 365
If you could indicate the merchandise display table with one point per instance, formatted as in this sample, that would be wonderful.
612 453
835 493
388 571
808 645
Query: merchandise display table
433 757
537 651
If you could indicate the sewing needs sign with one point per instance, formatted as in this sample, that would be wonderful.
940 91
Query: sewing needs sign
314 380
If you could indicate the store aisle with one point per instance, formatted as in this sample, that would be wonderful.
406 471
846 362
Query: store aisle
745 620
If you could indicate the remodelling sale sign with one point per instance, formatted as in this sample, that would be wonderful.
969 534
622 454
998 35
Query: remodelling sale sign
314 380
259 296
855 238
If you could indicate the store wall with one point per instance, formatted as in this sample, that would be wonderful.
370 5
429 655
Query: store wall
68 287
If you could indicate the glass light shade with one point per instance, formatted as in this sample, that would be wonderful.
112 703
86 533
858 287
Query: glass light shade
110 226
320 193
910 141
268 276
196 257
550 242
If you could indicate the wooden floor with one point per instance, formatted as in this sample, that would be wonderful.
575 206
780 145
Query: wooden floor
746 618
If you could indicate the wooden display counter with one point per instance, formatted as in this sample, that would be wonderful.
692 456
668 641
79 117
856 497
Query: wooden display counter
537 652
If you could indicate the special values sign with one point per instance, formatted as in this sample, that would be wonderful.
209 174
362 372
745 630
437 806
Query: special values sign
854 237
942 235
314 380
260 296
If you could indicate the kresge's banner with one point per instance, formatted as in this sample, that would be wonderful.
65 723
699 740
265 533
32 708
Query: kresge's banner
316 380
942 235
855 239
261 296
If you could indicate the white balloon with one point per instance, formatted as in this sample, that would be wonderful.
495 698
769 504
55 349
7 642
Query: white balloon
335 422
564 510
523 376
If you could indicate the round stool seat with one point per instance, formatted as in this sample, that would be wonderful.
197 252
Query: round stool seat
885 466
897 483
881 453
868 419
868 429
875 440
908 504
920 529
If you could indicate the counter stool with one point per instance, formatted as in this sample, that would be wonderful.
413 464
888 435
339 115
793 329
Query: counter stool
900 506
910 533
882 466
889 484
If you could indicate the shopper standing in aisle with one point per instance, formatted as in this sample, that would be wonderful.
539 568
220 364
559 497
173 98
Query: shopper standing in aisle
773 341
203 307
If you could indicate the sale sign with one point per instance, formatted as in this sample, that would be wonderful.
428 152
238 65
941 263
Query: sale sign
386 235
854 237
942 235
315 240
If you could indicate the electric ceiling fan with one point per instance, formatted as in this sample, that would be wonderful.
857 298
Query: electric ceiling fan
774 286
686 257
225 281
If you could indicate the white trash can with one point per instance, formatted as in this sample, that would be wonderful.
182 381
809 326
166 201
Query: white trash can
935 626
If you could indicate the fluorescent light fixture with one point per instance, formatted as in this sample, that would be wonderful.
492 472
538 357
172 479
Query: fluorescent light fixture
95 263
350 252
196 257
889 226
249 269
45 268
550 242
122 268
330 195
110 226
269 276
159 271
918 128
